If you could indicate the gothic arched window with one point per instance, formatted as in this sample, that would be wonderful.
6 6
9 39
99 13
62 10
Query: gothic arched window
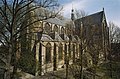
55 28
60 52
47 28
48 53
62 30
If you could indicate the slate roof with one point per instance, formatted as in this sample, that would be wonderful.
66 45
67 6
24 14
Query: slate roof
91 19
58 21
46 37
55 36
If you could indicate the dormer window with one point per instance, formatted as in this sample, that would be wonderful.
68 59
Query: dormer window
62 30
55 28
47 28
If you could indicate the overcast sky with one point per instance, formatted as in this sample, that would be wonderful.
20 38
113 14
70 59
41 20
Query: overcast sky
111 7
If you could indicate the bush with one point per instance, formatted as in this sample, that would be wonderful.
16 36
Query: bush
27 63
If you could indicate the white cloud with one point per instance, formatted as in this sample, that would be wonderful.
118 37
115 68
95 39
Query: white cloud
76 4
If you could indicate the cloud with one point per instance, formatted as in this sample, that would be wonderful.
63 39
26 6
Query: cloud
76 4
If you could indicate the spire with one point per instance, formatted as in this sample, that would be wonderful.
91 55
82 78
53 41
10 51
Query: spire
72 13
103 8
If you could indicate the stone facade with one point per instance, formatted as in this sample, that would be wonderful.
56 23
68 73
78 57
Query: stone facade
56 45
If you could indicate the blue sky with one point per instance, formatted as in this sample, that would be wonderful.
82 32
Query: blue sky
111 7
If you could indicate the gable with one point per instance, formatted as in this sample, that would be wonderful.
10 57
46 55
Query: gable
94 19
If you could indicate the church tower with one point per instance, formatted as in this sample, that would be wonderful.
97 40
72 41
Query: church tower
72 15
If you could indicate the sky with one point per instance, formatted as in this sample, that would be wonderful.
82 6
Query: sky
111 8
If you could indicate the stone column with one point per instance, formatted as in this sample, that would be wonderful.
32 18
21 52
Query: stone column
37 59
43 60
40 58
52 55
63 52
57 60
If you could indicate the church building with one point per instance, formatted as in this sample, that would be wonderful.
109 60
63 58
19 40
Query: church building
63 39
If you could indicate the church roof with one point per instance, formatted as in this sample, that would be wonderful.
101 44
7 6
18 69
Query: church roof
46 37
55 36
91 19
58 21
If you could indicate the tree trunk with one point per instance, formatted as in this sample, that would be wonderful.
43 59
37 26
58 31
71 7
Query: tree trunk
14 66
7 73
8 64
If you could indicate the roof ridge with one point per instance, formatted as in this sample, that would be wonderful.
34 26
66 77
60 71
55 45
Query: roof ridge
95 18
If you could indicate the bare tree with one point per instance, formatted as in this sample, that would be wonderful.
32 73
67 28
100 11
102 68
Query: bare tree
14 20
90 45
114 33
78 65
80 14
